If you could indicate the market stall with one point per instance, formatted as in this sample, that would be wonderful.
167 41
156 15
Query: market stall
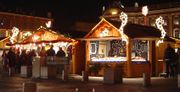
41 40
106 48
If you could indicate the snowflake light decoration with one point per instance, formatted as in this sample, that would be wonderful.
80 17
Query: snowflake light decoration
15 32
124 19
160 22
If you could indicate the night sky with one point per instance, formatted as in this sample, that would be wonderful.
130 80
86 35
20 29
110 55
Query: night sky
66 12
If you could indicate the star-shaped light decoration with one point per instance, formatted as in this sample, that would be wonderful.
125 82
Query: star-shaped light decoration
104 33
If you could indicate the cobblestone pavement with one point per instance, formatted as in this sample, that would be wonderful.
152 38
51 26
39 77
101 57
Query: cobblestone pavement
159 84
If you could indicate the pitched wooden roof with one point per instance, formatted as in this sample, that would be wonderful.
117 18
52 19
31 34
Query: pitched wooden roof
45 35
135 31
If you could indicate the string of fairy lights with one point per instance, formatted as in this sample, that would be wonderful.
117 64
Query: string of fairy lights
32 45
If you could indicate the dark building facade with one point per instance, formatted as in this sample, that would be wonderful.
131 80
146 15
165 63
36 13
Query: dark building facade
170 13
22 22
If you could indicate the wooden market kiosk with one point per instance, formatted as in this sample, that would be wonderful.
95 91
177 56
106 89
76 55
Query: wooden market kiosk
105 48
48 66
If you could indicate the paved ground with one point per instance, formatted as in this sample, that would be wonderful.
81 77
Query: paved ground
159 84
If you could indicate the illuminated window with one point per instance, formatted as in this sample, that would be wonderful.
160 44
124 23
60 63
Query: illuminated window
108 51
93 48
176 20
139 50
176 32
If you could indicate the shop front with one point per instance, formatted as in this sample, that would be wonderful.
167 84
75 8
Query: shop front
105 48
45 66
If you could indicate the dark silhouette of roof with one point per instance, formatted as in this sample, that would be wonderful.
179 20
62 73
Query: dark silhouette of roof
137 31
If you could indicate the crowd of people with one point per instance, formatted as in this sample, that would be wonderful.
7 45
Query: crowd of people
13 59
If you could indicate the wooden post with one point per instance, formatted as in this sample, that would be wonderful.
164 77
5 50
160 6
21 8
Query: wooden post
147 77
65 73
85 76
87 56
178 80
93 90
73 59
178 68
29 87
128 54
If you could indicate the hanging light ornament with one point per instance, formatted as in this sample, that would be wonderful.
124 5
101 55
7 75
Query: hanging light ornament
144 10
48 24
160 22
124 19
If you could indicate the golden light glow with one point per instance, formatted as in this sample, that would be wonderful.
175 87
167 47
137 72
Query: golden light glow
35 37
26 34
114 12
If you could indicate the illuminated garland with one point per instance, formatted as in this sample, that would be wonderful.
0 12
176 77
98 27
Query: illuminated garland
160 23
124 19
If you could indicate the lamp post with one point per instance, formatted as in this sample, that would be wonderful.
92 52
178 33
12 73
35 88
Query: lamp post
145 12
146 75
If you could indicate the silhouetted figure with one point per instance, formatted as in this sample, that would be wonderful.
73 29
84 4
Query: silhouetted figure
17 63
23 58
31 55
42 55
169 57
50 52
4 61
175 63
11 56
61 53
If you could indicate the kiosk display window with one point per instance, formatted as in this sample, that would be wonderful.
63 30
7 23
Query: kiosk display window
107 51
139 50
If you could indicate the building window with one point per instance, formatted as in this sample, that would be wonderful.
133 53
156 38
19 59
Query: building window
139 50
176 33
176 20
93 48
